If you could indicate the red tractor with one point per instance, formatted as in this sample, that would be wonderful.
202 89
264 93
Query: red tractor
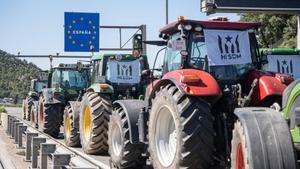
207 110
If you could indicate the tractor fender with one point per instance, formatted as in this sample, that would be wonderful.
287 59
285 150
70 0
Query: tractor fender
75 106
267 136
269 84
207 86
132 110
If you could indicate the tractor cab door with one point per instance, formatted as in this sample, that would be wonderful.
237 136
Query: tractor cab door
173 58
98 72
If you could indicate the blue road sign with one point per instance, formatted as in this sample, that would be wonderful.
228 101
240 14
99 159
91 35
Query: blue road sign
81 32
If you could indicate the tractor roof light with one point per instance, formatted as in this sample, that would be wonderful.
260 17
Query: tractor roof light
104 86
190 79
180 18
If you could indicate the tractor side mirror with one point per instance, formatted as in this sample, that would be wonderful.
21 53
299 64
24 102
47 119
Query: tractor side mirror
146 72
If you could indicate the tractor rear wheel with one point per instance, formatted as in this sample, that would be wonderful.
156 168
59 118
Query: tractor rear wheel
24 108
29 105
34 115
271 151
123 154
93 123
71 128
181 131
49 119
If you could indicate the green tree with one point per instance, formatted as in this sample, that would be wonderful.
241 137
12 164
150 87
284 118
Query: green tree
279 30
15 75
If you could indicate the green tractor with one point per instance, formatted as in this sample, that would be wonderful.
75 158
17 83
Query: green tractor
282 60
36 87
285 60
291 111
114 76
66 83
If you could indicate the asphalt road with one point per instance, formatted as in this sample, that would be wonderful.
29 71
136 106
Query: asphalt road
16 111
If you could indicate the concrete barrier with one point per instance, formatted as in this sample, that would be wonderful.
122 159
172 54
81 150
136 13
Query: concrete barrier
4 120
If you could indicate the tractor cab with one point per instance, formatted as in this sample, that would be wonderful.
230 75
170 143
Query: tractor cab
227 50
120 74
69 78
39 83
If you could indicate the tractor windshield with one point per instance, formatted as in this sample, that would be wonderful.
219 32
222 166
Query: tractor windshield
222 66
69 78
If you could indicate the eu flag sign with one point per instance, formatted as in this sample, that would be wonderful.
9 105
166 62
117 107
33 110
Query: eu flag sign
81 32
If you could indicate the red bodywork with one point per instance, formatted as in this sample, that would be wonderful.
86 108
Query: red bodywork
173 27
206 86
269 84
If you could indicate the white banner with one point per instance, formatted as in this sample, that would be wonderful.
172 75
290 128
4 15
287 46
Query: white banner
227 47
288 64
123 71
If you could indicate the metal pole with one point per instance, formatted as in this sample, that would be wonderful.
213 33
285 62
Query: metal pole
298 31
120 32
167 11
144 38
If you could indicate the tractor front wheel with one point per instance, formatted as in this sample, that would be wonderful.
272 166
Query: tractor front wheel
71 134
93 122
49 119
181 131
262 143
123 154
239 154
34 114
29 106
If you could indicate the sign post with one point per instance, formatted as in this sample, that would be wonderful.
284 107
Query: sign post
298 31
81 32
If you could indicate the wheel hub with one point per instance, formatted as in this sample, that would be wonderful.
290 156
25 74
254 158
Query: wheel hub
165 137
67 127
117 140
239 157
87 123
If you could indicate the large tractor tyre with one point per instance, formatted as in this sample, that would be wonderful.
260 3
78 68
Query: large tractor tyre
34 115
270 151
29 105
293 114
93 122
181 131
49 120
71 128
123 154
24 108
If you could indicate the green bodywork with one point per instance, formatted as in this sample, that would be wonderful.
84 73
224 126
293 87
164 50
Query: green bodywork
286 110
279 51
98 76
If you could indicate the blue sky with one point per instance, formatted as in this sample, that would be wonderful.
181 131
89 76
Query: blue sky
36 26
